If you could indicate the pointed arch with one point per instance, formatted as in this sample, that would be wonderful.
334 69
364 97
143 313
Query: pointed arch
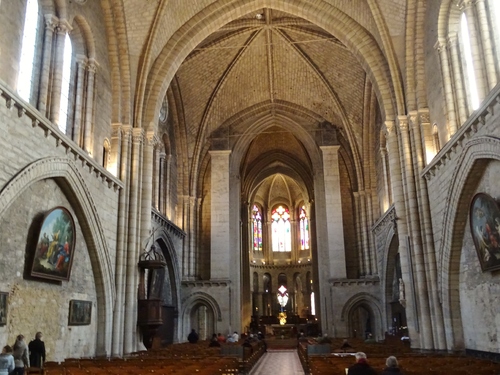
66 174
473 159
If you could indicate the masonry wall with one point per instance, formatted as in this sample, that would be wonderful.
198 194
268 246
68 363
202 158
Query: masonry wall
38 305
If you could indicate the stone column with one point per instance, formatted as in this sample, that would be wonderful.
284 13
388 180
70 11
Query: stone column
115 157
43 96
460 94
155 200
364 239
130 325
193 223
161 183
168 162
89 110
77 127
447 87
401 222
486 38
220 209
475 46
387 179
429 253
361 254
413 224
55 102
333 200
120 140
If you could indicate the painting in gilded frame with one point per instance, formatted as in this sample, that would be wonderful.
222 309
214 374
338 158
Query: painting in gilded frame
485 229
54 251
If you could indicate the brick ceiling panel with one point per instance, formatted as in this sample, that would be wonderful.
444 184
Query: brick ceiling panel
198 78
296 81
246 84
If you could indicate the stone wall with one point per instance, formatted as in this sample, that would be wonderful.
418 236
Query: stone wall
43 169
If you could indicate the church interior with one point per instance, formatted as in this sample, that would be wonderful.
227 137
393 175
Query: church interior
249 165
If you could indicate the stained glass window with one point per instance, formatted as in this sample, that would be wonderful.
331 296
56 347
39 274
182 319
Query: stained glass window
28 50
304 229
282 239
257 229
66 77
469 67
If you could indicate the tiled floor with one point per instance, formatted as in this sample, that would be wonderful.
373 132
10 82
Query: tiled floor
282 362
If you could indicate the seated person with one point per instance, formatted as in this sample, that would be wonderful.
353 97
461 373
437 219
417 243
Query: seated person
361 367
391 366
213 341
221 338
233 338
247 344
193 337
345 345
324 339
370 339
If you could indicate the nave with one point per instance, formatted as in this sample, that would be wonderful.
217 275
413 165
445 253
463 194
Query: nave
278 362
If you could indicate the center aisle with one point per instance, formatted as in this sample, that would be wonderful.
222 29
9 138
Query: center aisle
284 362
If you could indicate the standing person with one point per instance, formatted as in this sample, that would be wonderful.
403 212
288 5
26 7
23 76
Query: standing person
21 358
6 361
361 367
391 366
37 351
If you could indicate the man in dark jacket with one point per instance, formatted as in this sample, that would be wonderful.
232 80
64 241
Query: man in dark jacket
37 351
361 367
193 337
391 366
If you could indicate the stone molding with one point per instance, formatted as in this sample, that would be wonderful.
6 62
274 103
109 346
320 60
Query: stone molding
159 218
350 282
388 218
188 301
456 144
50 130
284 266
206 283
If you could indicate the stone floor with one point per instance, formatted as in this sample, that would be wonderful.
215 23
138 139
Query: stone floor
283 362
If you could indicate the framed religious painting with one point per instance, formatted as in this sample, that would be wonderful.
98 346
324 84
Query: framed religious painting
3 308
485 229
80 313
54 252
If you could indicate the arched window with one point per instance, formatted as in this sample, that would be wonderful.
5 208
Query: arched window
66 78
435 137
256 229
105 153
470 76
24 82
282 239
304 229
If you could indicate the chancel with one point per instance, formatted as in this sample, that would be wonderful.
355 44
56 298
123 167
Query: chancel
274 166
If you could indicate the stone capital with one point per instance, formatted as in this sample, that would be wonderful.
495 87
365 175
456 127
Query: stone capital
51 22
137 135
63 27
403 123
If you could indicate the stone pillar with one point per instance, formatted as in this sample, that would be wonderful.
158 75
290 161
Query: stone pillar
55 102
168 162
333 200
130 325
401 222
89 110
120 146
116 149
475 46
426 229
486 38
161 183
43 96
387 179
448 88
413 224
361 254
460 94
77 127
219 245
193 224
364 235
